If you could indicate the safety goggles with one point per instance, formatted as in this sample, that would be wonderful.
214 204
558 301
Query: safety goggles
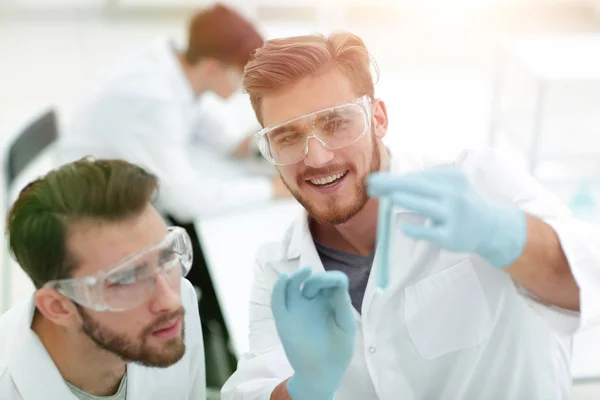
133 281
334 127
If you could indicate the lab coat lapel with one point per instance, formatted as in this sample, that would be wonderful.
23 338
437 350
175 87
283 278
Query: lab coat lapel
373 292
32 369
302 246
309 256
402 247
139 387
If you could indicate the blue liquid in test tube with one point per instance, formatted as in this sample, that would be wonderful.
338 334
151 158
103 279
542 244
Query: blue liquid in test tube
384 234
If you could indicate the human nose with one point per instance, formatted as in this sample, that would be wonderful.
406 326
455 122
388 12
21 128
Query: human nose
165 298
317 154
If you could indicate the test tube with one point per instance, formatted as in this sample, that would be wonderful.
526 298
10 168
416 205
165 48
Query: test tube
384 234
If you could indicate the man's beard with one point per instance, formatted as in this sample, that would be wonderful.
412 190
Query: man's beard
331 213
136 350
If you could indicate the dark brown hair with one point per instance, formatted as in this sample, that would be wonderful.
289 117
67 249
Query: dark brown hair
38 222
223 34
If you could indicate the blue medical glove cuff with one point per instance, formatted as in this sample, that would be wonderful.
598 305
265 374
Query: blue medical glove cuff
507 238
299 390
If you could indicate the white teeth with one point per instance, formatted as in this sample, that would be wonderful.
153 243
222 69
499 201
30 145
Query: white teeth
327 179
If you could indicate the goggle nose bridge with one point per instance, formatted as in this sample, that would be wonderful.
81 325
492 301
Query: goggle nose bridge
313 136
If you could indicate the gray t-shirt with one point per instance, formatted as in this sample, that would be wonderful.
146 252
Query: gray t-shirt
355 266
120 395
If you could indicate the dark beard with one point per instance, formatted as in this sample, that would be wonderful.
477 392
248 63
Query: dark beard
130 351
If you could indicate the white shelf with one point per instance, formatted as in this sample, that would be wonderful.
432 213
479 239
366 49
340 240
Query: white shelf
567 134
558 57
50 4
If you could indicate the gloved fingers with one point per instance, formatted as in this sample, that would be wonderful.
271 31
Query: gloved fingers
419 204
342 310
422 232
319 282
278 297
295 284
383 184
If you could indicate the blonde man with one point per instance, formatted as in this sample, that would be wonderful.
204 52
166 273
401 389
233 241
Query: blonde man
488 275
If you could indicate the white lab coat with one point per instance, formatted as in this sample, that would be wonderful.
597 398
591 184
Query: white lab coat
28 373
146 113
449 326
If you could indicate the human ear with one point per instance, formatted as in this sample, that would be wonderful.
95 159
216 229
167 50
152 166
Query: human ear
55 307
380 118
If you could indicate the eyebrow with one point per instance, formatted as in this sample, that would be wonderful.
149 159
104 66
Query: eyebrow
166 252
335 113
331 114
320 118
115 276
281 130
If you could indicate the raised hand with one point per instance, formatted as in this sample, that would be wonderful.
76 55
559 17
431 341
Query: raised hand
317 328
462 219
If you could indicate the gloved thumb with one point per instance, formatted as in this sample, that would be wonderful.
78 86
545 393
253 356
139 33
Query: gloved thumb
327 280
343 313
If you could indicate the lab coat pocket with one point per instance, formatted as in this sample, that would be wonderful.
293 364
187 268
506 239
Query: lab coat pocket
447 311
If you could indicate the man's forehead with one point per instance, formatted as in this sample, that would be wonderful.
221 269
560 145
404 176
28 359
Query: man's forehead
307 96
103 246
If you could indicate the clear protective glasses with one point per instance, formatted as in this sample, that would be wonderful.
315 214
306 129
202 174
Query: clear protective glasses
133 281
334 127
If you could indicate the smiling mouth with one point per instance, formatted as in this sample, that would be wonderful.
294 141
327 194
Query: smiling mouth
171 324
168 332
327 181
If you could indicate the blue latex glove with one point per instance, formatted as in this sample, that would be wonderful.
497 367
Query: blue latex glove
316 325
462 219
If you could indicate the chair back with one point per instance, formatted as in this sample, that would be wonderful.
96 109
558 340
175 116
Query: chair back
38 135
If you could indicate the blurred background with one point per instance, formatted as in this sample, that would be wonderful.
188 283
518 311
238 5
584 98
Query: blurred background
522 75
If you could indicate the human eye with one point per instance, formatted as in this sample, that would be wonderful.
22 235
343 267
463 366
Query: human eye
167 255
288 137
337 123
124 278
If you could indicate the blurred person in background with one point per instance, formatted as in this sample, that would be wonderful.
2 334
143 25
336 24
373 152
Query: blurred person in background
145 114
112 315
489 275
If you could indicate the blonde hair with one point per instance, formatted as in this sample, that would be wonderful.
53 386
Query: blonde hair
282 62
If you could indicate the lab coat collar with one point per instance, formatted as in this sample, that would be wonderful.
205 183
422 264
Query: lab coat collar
33 372
36 376
300 242
300 231
166 50
137 386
